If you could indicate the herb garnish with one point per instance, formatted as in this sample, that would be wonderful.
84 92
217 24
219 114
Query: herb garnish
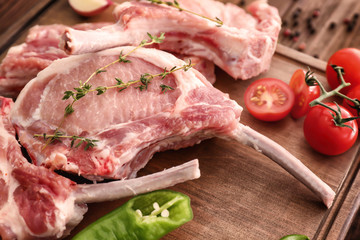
90 143
85 88
175 4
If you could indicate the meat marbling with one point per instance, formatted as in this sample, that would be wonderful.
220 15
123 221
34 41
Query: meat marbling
35 202
242 47
132 125
23 62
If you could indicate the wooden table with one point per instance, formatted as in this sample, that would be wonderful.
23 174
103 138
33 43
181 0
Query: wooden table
242 194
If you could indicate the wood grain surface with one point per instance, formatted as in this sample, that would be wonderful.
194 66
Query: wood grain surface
325 40
242 194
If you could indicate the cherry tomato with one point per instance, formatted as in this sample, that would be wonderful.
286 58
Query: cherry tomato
349 59
324 136
353 93
269 99
304 94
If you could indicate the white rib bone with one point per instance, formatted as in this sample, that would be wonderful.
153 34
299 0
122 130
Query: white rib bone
88 193
290 163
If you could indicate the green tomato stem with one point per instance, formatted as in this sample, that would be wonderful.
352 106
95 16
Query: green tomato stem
338 120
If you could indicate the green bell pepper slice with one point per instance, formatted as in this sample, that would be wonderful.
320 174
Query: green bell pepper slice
295 237
148 216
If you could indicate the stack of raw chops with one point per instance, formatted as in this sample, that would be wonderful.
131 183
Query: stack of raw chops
128 135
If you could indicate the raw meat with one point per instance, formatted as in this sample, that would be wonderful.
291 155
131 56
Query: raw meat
132 125
37 203
34 200
23 62
243 46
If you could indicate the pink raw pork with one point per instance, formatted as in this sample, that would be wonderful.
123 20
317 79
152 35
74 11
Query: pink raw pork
132 125
243 46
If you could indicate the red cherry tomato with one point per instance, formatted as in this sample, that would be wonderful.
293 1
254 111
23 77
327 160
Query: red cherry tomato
349 59
304 94
269 99
353 93
324 136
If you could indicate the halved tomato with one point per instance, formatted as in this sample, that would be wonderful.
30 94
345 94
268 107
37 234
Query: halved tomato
304 94
269 99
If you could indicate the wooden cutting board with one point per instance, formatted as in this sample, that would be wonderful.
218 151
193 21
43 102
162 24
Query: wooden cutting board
241 193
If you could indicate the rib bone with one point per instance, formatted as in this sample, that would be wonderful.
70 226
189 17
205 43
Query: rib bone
290 163
124 188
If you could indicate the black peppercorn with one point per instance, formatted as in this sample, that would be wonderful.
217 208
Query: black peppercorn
308 20
332 25
350 27
284 23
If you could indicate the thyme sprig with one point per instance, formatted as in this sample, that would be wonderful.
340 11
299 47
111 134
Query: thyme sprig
311 80
85 87
144 80
176 4
75 140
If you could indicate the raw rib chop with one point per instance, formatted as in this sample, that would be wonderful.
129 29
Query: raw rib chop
37 203
132 125
242 47
23 62
34 200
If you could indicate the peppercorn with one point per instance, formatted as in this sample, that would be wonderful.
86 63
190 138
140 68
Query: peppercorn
287 32
295 15
346 21
295 39
356 16
309 26
308 21
316 13
242 3
350 27
295 23
302 46
312 31
316 56
332 25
